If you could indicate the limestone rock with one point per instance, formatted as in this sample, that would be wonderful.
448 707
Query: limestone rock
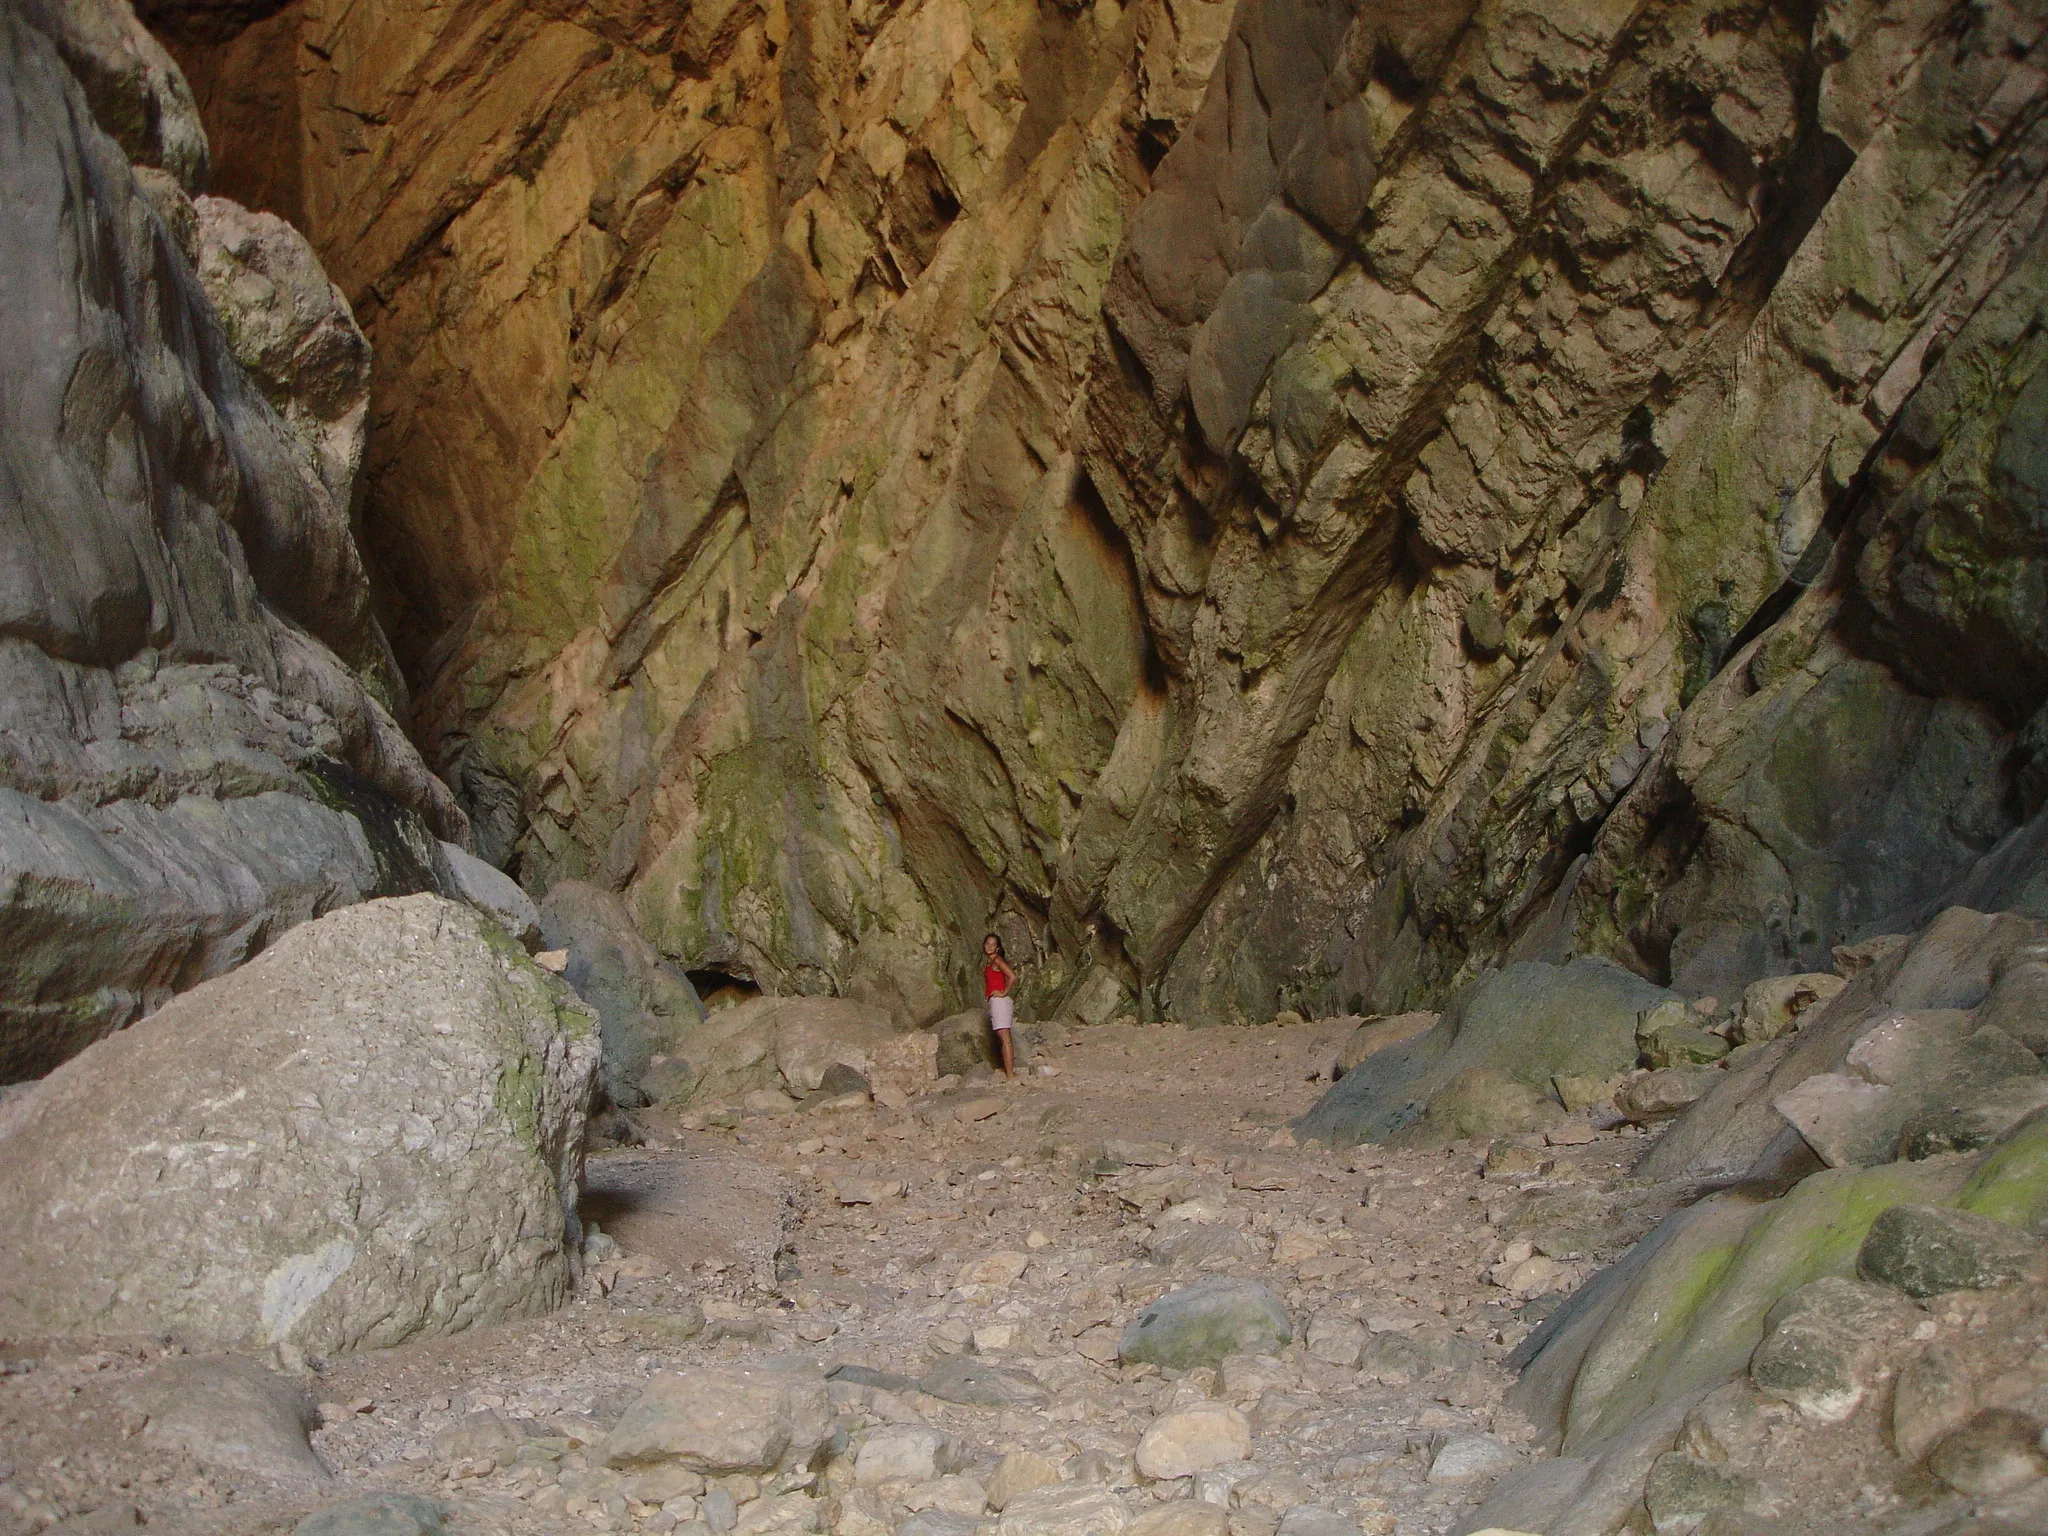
210 1171
1679 1044
938 1522
1996 1452
1924 1250
961 1379
1924 986
1181 1517
1849 1121
1824 1346
906 1452
738 1419
1662 1094
1205 1322
1934 1396
1193 1439
2018 1002
482 1434
1464 1458
1682 1491
815 1034
1315 1520
294 333
965 1042
1776 1004
993 1271
1335 1337
1067 1510
230 1412
1731 1424
1973 1121
1019 1472
137 92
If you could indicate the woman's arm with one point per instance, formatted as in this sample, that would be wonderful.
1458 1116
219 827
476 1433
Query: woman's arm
1009 974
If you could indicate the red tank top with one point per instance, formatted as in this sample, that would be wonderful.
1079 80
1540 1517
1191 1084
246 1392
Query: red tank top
992 981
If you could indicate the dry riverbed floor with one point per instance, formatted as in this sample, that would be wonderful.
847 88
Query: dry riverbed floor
1017 1225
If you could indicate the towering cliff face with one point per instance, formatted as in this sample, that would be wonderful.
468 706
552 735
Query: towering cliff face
193 751
1273 503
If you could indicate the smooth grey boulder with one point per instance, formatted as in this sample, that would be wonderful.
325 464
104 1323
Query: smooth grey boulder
1204 1322
1924 1250
1530 1022
370 1133
494 893
646 1007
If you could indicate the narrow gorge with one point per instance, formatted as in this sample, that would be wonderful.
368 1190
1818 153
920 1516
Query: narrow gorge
1460 586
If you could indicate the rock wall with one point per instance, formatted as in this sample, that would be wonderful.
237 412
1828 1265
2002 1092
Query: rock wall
1278 503
195 745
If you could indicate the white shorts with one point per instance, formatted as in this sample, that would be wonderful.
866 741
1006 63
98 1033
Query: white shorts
1001 1011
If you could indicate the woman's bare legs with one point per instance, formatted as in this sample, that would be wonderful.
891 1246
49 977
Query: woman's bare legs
1009 1061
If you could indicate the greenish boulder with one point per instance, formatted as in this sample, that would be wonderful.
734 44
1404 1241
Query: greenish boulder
1528 1022
376 1514
1681 1045
1480 1101
1925 1250
1202 1323
646 1008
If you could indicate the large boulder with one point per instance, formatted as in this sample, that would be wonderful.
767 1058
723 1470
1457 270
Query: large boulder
370 1133
645 1007
791 1043
1916 992
1528 1023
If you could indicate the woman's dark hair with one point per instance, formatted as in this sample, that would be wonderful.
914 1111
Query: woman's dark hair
999 945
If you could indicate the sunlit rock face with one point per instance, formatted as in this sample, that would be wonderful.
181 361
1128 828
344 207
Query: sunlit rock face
1283 503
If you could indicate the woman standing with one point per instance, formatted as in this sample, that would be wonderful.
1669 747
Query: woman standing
996 979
